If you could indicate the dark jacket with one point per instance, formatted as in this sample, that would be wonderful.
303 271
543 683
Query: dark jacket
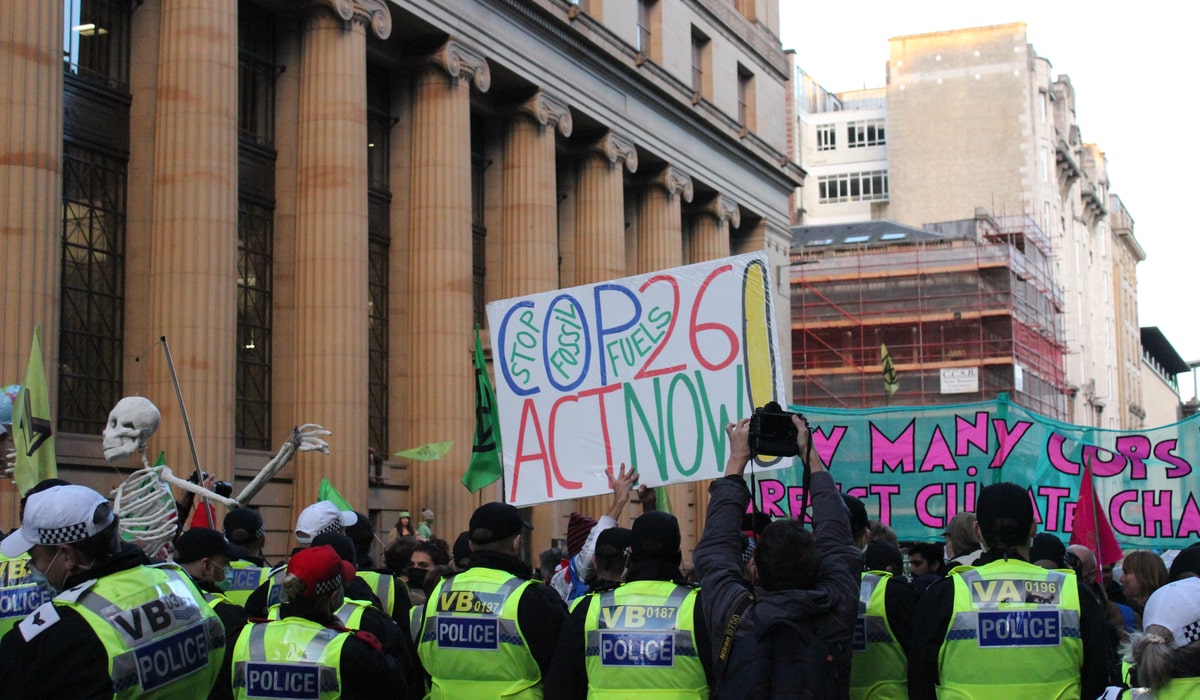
936 607
826 612
234 619
66 660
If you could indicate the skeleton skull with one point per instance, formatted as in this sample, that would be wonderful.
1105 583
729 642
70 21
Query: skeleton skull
130 424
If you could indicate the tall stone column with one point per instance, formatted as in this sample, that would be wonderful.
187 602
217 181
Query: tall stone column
709 239
530 218
660 220
331 241
600 231
600 243
529 247
660 246
441 381
31 136
193 233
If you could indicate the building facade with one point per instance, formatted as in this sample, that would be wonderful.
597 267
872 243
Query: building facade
974 120
312 203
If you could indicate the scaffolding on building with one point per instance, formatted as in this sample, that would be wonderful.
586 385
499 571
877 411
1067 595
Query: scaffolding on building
977 297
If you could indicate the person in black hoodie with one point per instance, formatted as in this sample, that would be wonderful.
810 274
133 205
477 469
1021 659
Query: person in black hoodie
788 630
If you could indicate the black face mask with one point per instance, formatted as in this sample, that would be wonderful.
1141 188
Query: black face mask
416 577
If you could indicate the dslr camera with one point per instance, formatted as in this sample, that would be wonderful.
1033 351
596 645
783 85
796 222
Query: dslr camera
772 431
221 488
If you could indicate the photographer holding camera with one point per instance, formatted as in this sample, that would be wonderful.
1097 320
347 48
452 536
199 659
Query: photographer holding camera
789 628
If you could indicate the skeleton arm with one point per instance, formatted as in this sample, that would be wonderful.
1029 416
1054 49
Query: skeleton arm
306 438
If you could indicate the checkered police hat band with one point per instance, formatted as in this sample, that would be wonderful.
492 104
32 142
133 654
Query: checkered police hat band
335 526
326 586
1191 633
63 535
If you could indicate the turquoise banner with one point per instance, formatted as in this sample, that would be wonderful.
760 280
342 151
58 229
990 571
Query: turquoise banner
915 467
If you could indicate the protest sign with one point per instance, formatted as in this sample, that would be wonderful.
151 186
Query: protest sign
645 370
915 467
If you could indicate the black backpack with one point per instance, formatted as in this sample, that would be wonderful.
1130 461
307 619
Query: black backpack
779 659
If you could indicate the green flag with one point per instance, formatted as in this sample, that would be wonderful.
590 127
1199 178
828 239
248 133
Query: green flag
427 453
889 371
486 466
33 429
327 492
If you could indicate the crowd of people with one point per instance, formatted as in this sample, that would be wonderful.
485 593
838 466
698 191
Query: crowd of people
769 609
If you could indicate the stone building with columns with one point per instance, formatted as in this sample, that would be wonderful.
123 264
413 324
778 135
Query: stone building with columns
313 201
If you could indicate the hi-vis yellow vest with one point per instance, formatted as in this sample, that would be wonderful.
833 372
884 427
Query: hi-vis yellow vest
1179 689
1014 634
162 638
247 576
641 640
18 595
471 643
350 614
384 588
880 667
290 658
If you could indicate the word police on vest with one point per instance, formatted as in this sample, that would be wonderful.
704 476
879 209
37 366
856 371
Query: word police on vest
1019 628
468 634
174 657
637 649
283 681
20 601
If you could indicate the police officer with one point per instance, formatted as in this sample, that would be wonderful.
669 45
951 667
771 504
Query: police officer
116 627
19 592
244 528
646 635
1006 628
318 518
307 652
205 555
490 631
885 608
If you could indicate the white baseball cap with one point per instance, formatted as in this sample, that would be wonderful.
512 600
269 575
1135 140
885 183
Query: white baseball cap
1176 606
59 515
321 517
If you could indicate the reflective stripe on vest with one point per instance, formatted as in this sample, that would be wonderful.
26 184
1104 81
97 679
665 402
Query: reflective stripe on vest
384 587
880 670
246 578
19 596
350 614
1012 615
641 636
291 658
471 643
162 637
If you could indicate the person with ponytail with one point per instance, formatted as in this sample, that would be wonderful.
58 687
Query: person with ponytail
1166 654
1005 628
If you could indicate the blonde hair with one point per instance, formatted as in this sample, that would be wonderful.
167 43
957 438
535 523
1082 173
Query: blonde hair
1156 662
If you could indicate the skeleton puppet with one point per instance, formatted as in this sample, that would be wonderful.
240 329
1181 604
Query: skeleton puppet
144 501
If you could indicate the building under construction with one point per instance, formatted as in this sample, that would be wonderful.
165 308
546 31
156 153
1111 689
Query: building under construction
966 309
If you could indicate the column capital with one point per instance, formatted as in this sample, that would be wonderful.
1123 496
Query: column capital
674 181
372 13
723 208
548 111
459 61
615 148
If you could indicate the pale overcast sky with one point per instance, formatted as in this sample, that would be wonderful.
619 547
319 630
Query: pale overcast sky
1131 66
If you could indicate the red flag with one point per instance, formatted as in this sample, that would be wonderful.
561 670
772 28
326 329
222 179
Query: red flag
1091 528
